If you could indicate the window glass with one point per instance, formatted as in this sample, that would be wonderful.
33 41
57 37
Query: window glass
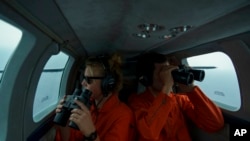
220 83
47 91
10 37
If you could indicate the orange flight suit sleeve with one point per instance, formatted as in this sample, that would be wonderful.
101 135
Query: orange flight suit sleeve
152 112
151 118
75 135
202 111
120 131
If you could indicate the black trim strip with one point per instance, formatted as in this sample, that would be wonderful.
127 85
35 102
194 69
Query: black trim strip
53 70
46 70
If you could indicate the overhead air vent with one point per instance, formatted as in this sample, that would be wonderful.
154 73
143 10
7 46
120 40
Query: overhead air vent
180 29
175 31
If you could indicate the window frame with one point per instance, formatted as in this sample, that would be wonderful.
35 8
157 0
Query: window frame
222 105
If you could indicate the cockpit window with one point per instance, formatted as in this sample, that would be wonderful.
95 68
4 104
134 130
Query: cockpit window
220 83
47 91
10 37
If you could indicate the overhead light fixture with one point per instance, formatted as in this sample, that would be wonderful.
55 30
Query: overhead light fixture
142 35
167 37
150 27
176 30
146 28
180 29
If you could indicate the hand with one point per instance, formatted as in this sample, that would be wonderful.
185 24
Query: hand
185 88
82 118
60 105
166 78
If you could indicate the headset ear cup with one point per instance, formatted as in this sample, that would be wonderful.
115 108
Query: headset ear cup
108 84
144 81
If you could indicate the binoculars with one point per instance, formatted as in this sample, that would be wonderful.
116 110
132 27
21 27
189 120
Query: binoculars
186 75
62 117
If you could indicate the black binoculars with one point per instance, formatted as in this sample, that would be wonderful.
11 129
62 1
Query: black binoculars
62 117
186 75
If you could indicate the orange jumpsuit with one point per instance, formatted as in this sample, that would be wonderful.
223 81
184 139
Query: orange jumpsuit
114 121
162 118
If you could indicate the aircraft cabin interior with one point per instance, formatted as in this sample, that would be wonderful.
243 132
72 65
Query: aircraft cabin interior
44 44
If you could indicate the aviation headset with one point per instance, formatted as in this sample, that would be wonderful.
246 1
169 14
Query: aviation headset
109 81
145 77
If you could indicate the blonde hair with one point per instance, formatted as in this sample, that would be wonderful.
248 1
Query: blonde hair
114 63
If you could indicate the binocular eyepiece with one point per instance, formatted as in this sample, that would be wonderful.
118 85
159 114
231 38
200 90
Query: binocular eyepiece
187 75
62 117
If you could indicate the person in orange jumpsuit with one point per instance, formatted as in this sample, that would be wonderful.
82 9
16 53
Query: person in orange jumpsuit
109 119
161 114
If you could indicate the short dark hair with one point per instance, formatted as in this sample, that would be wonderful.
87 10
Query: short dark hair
146 65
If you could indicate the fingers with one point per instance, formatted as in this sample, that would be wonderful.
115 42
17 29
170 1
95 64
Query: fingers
82 118
170 68
79 115
81 112
60 105
81 105
186 88
58 108
165 72
165 77
77 111
75 116
62 101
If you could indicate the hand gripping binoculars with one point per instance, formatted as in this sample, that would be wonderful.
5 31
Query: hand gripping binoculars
186 75
62 117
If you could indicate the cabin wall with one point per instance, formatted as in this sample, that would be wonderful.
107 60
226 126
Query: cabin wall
17 77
